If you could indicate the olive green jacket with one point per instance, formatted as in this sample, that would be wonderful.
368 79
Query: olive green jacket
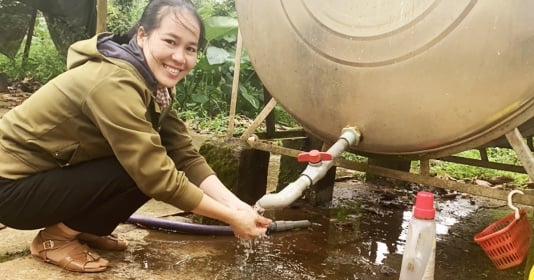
102 107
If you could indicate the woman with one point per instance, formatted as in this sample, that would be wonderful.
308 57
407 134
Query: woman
94 144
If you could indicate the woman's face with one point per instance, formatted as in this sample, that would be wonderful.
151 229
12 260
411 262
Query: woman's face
171 49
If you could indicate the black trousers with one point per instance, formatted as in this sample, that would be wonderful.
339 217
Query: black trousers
92 197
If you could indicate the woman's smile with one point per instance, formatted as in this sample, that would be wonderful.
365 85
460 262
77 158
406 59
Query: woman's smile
171 49
172 70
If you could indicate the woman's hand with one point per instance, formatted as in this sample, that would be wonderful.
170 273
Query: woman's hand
248 224
242 229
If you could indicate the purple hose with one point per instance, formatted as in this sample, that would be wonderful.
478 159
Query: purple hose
175 226
164 224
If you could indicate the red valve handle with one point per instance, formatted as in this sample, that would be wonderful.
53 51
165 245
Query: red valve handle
313 156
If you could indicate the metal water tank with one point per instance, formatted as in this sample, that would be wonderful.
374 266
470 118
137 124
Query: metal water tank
422 78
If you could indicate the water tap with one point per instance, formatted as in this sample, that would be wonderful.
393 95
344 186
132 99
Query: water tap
313 156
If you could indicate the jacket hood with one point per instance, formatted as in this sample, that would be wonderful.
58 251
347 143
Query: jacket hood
106 45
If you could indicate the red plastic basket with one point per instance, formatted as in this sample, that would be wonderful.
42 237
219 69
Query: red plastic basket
507 240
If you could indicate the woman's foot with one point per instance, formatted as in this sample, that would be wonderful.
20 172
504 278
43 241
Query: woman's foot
110 242
66 251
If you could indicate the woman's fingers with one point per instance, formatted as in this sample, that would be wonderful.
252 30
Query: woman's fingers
251 225
263 222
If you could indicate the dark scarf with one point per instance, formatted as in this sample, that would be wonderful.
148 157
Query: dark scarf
111 47
129 52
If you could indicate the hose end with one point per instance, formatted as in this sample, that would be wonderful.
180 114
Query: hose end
278 226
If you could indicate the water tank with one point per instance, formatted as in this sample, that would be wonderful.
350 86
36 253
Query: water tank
422 78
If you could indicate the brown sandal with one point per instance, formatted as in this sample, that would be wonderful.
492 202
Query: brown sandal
110 242
68 254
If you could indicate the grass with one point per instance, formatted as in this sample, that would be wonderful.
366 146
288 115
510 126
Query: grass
470 173
219 123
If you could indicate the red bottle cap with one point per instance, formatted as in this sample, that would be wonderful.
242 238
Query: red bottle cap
424 206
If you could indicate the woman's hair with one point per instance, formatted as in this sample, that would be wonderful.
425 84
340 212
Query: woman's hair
157 9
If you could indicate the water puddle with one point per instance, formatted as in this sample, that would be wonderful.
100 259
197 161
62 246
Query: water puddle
358 237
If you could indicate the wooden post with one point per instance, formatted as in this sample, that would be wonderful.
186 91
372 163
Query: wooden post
522 150
29 37
101 12
235 84
424 167
269 120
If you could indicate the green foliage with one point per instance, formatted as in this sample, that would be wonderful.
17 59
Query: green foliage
353 157
207 89
43 63
467 172
212 125
503 155
209 8
283 118
219 27
122 15
216 125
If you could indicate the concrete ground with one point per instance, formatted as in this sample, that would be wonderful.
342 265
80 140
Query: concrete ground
14 247
20 265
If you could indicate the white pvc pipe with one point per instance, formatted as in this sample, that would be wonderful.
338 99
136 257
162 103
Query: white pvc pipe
311 175
286 196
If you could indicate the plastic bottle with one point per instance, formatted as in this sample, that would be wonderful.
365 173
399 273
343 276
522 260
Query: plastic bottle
420 250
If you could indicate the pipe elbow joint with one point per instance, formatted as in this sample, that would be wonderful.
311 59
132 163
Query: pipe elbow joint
286 196
351 134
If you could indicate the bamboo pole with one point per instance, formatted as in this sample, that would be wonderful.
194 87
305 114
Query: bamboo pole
101 12
522 150
235 84
29 37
